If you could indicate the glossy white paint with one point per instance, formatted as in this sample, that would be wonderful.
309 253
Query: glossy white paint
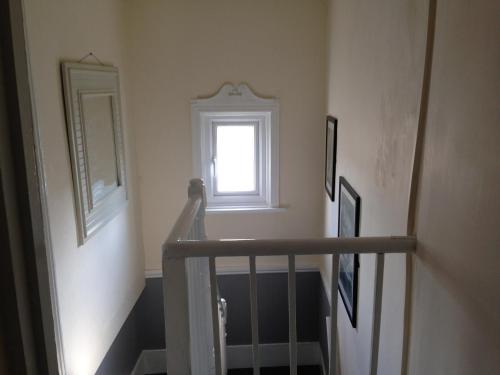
191 334
237 104
184 243
332 337
217 321
254 315
298 246
292 314
83 82
377 313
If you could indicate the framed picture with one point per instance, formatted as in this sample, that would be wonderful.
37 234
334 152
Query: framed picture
93 118
331 156
348 226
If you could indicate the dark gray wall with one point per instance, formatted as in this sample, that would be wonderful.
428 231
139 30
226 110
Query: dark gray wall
127 346
144 328
272 296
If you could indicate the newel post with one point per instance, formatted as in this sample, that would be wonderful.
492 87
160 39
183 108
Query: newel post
196 189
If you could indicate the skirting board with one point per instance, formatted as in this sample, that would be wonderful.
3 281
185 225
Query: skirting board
239 356
150 362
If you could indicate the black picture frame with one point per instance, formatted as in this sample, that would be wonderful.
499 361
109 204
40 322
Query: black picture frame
331 156
348 226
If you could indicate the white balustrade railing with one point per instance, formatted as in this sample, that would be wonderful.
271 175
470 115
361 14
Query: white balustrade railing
190 287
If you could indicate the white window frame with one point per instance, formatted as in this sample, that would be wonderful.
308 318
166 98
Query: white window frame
233 105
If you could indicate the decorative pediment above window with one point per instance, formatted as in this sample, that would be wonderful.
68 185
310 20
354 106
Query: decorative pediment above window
230 95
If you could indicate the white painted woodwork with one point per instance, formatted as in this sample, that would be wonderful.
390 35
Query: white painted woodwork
254 313
195 287
377 312
239 356
333 315
215 317
92 102
235 104
304 246
191 298
176 310
292 314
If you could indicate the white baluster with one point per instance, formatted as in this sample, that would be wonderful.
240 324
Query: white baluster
292 314
377 312
254 312
333 314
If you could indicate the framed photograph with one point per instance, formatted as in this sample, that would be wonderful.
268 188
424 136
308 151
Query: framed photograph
331 156
348 226
93 118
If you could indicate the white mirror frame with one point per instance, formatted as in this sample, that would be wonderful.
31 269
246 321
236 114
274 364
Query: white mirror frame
81 80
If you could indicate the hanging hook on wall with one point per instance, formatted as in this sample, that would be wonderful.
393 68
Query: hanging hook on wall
91 54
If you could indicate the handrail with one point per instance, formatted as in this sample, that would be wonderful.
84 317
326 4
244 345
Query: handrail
190 290
300 246
186 220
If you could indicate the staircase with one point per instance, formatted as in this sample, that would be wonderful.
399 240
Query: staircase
193 314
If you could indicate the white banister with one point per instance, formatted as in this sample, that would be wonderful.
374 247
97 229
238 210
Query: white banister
193 344
215 316
177 317
254 314
333 315
377 312
304 246
292 314
189 332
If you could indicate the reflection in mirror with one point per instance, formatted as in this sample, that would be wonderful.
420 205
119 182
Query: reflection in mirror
99 136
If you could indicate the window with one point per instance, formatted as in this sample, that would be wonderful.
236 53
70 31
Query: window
235 149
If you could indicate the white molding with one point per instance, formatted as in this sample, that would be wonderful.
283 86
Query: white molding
238 101
200 316
82 81
49 298
150 362
245 210
238 270
153 274
239 356
293 246
139 365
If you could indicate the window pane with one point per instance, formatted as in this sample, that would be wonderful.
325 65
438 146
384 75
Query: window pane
236 164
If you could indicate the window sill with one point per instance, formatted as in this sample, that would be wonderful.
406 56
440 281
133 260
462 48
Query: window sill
241 210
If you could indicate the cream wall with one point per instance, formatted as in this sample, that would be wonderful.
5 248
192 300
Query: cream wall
182 49
375 69
456 297
98 283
